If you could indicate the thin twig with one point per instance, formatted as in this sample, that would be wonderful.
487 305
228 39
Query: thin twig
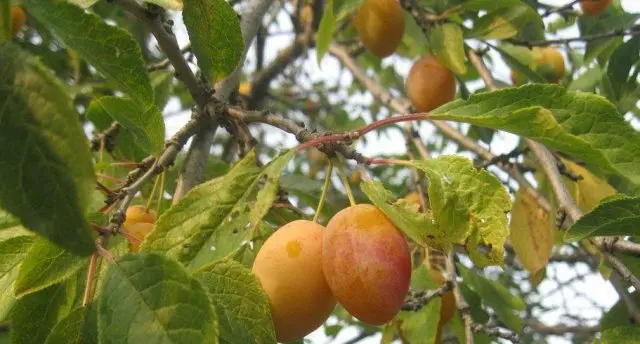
91 273
634 31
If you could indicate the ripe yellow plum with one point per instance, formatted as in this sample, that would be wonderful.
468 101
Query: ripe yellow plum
138 231
289 269
366 262
138 214
380 26
430 84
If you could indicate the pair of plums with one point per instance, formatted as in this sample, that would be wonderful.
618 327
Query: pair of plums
361 260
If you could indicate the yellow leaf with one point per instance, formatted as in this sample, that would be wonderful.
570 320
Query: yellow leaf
589 190
531 232
536 277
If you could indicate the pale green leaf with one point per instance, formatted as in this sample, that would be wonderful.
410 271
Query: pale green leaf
467 206
241 305
504 22
111 50
34 315
214 219
216 39
447 44
325 31
582 125
620 216
47 177
497 296
79 327
14 245
7 299
45 264
147 298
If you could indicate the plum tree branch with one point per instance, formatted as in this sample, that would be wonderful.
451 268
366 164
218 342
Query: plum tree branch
633 31
566 203
401 105
550 167
192 171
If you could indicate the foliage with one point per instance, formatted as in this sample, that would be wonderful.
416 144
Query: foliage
106 104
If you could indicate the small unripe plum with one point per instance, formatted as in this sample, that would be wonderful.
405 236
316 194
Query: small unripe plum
594 7
550 59
289 269
138 231
380 26
367 264
430 84
139 214
244 89
18 19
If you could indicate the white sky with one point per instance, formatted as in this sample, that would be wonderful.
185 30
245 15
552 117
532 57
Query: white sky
603 292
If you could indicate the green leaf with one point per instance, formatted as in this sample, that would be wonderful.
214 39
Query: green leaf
623 334
325 31
447 44
7 299
48 176
141 131
496 296
147 298
505 22
111 50
5 21
216 39
79 327
7 220
588 80
45 264
421 326
612 20
14 245
162 82
580 124
36 314
619 216
241 305
216 218
467 206
620 64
